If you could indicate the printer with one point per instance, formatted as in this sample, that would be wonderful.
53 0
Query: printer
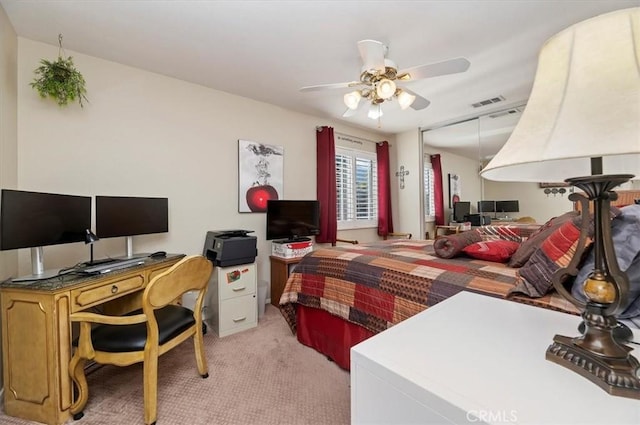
230 247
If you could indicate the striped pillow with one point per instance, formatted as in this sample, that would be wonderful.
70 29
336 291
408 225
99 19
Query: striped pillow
555 252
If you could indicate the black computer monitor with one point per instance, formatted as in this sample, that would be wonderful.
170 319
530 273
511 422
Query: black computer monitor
130 216
486 206
460 210
507 206
35 219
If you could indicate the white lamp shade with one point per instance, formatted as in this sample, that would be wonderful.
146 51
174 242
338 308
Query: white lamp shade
385 88
585 103
405 99
352 99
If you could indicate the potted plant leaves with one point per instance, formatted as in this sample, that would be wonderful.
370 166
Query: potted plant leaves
60 80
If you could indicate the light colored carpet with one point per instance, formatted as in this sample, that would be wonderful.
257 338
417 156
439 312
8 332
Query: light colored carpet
259 376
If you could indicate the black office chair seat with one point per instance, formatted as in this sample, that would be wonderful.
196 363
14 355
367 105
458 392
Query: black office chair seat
172 320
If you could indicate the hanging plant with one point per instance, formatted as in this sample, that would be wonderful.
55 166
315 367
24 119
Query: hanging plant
60 80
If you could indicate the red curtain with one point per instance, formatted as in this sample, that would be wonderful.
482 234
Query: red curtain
385 222
326 184
438 195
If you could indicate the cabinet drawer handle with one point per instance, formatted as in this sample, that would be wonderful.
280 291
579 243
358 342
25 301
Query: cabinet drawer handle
114 289
242 288
240 319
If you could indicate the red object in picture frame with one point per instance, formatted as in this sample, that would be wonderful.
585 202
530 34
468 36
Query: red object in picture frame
257 197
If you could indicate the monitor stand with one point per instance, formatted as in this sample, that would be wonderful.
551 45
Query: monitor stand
48 274
129 250
129 247
37 268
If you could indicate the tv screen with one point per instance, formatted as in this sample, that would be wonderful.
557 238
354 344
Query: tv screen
292 219
486 206
507 206
460 209
35 219
130 216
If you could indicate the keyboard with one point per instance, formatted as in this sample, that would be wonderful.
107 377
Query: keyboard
116 265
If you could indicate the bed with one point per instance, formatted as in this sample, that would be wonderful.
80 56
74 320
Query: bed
339 296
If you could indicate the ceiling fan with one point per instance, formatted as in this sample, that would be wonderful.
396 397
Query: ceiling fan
378 79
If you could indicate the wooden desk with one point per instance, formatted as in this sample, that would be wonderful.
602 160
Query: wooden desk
36 333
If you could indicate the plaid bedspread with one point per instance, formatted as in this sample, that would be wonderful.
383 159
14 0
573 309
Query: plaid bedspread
380 284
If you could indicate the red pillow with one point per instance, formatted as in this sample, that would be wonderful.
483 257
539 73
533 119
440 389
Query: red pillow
498 251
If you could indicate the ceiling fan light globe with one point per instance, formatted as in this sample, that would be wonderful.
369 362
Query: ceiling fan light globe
352 99
375 111
386 88
405 99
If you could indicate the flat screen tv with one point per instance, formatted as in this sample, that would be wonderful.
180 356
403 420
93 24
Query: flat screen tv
486 206
460 210
292 220
130 216
35 219
507 206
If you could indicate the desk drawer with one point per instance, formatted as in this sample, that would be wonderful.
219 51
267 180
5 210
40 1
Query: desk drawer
86 297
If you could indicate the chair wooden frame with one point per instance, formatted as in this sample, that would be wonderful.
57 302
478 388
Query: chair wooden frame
189 274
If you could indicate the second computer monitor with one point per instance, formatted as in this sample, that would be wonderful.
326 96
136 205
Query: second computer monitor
486 206
507 206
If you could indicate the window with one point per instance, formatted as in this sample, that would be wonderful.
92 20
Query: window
429 189
357 189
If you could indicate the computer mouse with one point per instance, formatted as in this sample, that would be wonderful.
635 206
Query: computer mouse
158 254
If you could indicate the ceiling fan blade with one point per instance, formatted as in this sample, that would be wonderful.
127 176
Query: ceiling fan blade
350 112
451 66
419 102
329 86
372 53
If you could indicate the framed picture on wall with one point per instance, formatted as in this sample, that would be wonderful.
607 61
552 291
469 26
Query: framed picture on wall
454 189
260 174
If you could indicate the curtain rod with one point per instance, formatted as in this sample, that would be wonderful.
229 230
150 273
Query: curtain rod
350 138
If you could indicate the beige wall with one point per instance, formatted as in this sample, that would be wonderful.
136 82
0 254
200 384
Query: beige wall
8 127
8 124
407 218
143 134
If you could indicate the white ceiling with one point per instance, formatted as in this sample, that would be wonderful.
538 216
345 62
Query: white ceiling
268 50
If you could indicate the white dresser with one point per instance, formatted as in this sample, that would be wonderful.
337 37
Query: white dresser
474 359
233 300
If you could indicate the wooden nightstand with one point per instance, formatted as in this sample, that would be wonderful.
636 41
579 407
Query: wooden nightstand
280 270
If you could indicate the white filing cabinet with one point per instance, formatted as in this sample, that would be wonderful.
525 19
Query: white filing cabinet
233 299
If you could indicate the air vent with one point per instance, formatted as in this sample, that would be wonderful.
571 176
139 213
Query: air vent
513 111
488 101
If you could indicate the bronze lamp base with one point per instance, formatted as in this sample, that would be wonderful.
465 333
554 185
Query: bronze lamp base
615 376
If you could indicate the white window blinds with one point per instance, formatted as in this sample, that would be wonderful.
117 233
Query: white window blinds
357 188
